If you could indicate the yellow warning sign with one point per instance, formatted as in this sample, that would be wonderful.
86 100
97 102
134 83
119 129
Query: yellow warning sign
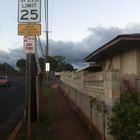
29 29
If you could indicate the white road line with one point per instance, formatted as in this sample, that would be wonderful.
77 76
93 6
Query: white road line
12 87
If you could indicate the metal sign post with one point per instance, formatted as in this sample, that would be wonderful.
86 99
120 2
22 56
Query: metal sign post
29 49
29 93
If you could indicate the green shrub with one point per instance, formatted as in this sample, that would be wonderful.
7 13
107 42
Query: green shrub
125 125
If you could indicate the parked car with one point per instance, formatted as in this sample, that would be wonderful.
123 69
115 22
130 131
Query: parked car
5 81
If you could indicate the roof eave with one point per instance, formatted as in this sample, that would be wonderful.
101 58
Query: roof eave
109 44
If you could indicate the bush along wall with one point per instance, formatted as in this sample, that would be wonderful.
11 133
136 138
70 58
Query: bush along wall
125 123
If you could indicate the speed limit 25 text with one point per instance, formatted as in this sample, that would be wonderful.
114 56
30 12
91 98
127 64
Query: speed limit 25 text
29 0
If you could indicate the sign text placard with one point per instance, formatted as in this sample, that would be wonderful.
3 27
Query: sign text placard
29 44
29 29
29 11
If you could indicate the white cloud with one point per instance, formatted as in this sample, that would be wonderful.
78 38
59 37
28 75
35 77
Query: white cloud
75 52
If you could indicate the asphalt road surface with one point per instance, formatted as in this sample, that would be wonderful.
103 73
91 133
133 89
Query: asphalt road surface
12 97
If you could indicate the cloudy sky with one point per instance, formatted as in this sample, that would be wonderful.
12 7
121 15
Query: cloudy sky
77 27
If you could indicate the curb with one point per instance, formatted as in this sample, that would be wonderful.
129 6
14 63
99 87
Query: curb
15 131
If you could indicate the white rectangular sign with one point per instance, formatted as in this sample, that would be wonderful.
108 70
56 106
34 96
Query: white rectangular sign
47 66
29 11
29 44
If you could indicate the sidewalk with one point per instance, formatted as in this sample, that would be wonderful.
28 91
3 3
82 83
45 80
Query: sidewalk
67 124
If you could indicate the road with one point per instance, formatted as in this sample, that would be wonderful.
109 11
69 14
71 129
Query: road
11 97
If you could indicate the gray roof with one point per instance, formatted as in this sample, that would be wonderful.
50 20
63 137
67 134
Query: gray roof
89 67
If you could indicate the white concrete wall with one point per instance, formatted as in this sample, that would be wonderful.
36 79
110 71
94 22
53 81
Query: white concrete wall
105 86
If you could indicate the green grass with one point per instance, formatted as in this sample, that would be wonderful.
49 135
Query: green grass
42 130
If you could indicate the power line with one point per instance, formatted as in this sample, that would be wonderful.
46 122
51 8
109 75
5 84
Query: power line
40 46
46 13
52 14
43 16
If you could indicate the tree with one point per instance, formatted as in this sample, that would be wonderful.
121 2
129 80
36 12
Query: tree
3 67
59 59
53 63
62 65
57 64
69 67
21 63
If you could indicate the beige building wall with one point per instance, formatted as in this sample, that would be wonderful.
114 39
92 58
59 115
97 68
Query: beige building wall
112 63
138 61
106 64
138 69
128 62
116 62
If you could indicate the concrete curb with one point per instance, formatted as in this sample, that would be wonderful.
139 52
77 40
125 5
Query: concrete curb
14 133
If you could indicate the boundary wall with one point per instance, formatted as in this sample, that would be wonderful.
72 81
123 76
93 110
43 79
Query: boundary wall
81 87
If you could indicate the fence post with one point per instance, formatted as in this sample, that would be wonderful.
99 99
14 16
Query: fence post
38 97
103 117
90 127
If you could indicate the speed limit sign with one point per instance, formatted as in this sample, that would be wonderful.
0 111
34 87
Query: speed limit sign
29 11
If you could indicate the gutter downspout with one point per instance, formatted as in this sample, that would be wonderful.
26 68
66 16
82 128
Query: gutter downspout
120 61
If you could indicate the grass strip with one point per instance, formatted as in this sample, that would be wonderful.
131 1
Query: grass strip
42 130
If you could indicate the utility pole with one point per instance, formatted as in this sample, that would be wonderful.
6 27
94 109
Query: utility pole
29 93
31 90
31 86
47 46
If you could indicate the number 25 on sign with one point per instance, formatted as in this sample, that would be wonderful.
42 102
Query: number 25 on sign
29 11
